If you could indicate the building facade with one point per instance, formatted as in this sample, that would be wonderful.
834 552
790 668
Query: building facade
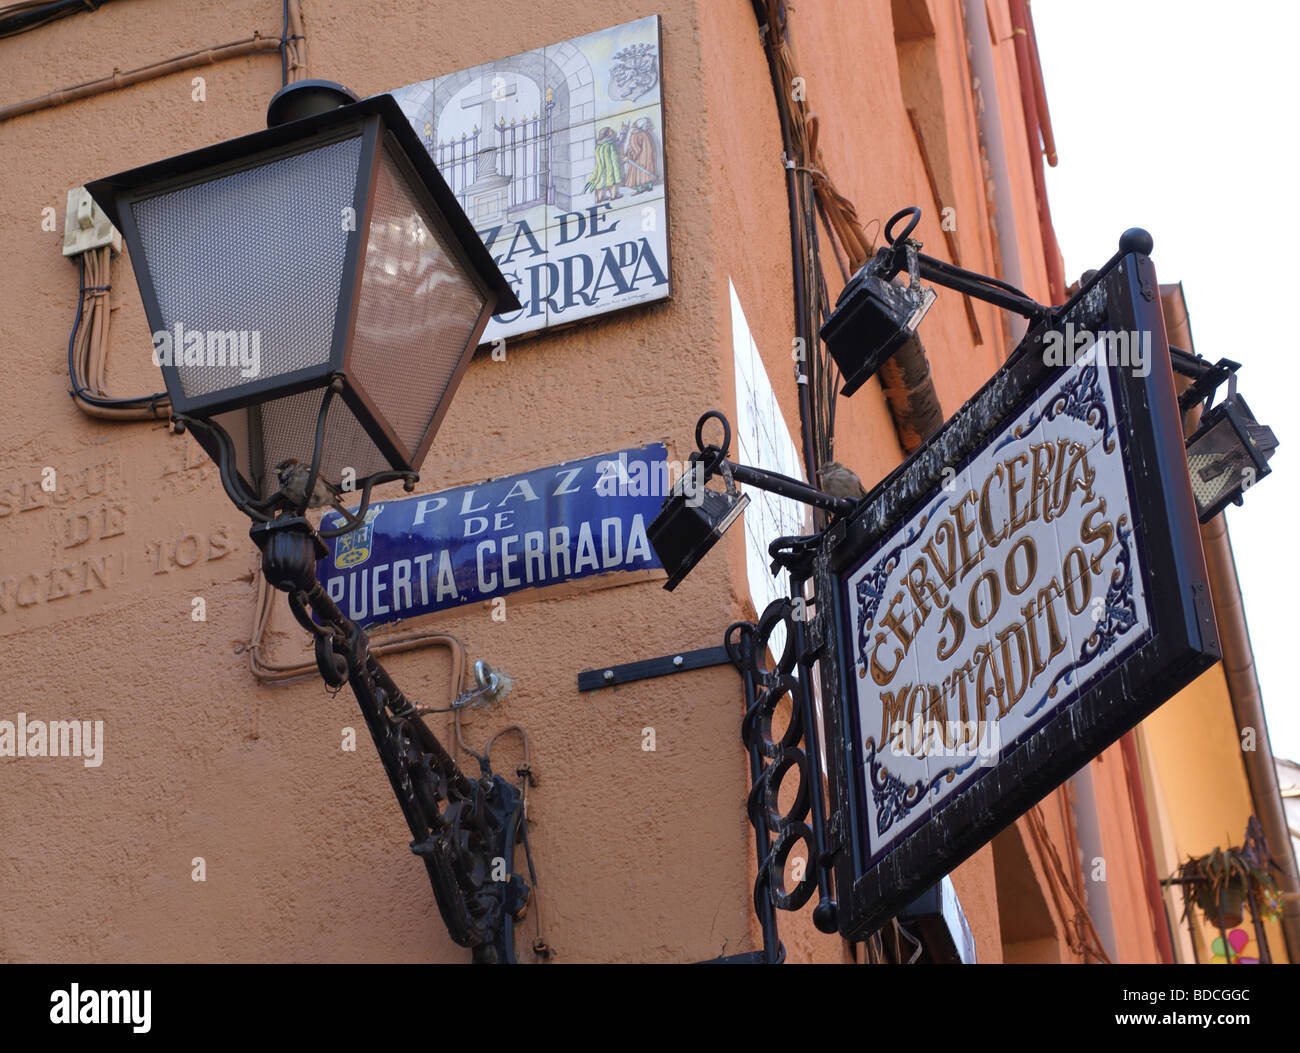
230 813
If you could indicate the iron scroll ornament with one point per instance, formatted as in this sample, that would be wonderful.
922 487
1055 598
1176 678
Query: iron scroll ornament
772 757
463 829
460 826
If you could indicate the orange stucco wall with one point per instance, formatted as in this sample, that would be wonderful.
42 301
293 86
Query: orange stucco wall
641 856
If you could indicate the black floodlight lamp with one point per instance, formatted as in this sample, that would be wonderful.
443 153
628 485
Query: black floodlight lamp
872 320
690 523
314 291
875 316
693 517
1228 454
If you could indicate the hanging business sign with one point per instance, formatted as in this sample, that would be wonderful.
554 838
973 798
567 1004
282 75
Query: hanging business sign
573 521
1021 592
557 157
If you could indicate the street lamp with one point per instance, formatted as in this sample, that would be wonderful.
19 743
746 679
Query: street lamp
314 291
315 295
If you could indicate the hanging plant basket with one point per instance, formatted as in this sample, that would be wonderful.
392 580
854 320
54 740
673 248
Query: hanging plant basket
1221 882
1225 907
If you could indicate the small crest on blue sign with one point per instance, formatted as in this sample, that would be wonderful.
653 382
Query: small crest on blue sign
353 548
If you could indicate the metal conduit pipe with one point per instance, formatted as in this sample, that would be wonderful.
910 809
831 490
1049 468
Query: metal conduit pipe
989 117
1032 103
1096 892
1248 709
1239 666
206 57
1146 848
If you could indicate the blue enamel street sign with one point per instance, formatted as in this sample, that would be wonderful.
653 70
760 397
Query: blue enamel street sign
564 522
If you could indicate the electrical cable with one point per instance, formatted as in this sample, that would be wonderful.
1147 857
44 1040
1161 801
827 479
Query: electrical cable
294 68
811 192
284 48
1080 932
292 45
397 643
88 345
26 15
526 779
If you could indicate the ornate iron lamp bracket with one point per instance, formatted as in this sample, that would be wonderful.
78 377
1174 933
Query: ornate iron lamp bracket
465 830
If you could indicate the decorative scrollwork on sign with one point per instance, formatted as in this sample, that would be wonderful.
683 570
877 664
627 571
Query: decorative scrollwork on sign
895 797
871 590
1065 676
1119 612
1081 398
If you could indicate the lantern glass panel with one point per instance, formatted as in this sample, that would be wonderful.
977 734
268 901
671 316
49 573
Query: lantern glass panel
247 266
418 311
285 428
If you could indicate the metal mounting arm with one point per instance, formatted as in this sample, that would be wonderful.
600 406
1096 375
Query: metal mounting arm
714 461
903 254
216 440
775 483
980 286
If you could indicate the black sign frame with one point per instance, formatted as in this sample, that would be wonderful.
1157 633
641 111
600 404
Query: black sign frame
1180 645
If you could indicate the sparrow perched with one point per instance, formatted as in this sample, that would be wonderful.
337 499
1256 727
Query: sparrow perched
839 481
293 475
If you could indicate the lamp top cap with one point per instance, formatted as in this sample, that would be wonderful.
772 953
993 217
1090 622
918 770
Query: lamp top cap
306 98
1135 239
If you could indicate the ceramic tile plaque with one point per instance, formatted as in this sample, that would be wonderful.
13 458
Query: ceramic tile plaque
1022 591
557 157
975 621
762 437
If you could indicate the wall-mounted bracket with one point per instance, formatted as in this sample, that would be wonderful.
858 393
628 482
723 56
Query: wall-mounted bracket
612 675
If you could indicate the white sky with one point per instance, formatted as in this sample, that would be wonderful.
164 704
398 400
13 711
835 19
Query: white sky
1179 116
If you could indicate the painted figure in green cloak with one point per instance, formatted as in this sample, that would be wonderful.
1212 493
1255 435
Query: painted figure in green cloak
608 176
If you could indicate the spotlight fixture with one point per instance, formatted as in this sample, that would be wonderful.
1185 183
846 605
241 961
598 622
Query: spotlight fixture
694 517
690 523
873 319
1228 454
875 316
